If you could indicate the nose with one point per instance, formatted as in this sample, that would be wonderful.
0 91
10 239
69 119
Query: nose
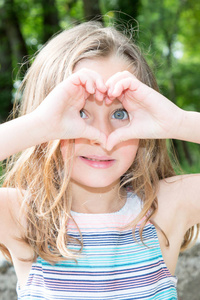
102 125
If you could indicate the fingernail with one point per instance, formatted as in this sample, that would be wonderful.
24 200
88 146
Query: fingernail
110 91
107 100
100 97
104 87
114 92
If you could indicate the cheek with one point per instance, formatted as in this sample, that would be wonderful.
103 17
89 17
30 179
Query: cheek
128 147
118 124
124 153
81 144
63 147
67 148
127 151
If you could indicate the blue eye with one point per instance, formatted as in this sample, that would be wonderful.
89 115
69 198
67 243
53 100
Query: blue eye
120 114
83 114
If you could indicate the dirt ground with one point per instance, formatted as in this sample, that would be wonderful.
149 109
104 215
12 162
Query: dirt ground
188 273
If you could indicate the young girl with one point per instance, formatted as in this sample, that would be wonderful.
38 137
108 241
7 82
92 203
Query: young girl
91 207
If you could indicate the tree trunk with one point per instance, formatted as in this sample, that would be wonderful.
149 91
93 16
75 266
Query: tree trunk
92 10
13 31
12 52
50 19
187 153
129 9
5 72
169 34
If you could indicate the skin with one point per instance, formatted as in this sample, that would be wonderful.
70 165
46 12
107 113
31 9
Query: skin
88 183
112 85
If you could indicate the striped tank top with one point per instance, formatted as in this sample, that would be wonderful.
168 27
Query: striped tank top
112 264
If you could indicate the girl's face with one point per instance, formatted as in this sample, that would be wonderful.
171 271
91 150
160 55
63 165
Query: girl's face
94 166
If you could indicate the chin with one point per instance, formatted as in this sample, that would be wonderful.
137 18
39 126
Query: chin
96 184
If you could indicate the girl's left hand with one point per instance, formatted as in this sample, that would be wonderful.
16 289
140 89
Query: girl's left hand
152 116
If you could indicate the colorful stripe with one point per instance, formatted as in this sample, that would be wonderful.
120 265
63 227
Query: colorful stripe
112 265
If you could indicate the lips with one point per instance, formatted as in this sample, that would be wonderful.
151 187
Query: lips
97 158
100 162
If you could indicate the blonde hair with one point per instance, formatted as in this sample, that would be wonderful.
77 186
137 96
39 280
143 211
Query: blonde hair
41 171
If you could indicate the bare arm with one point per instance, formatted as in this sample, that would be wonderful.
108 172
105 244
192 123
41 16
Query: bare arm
19 134
10 201
152 116
189 129
57 117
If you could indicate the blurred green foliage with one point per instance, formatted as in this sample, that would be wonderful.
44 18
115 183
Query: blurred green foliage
168 32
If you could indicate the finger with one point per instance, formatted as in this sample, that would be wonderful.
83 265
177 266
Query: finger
90 86
136 90
95 85
123 85
118 76
118 136
112 81
99 96
101 89
82 78
108 101
94 135
100 85
91 78
85 97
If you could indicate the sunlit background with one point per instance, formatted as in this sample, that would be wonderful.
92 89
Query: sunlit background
167 31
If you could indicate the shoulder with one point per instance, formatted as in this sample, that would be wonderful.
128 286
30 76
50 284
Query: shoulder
10 217
179 197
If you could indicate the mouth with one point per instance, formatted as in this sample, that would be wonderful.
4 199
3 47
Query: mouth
94 158
99 162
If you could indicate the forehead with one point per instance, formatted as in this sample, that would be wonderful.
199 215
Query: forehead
105 66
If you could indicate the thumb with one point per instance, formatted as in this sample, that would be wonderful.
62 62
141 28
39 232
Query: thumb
95 135
118 136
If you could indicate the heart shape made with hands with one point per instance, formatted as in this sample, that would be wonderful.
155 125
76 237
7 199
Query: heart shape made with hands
123 133
151 115
117 87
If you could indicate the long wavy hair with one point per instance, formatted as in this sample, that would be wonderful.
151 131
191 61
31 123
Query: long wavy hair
40 172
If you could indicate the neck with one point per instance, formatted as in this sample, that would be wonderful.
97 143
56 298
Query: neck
97 200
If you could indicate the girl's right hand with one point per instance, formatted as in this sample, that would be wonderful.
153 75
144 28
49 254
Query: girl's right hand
59 113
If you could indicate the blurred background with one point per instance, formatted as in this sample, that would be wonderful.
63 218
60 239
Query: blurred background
168 33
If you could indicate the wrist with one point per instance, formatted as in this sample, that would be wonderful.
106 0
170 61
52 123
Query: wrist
37 129
188 128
